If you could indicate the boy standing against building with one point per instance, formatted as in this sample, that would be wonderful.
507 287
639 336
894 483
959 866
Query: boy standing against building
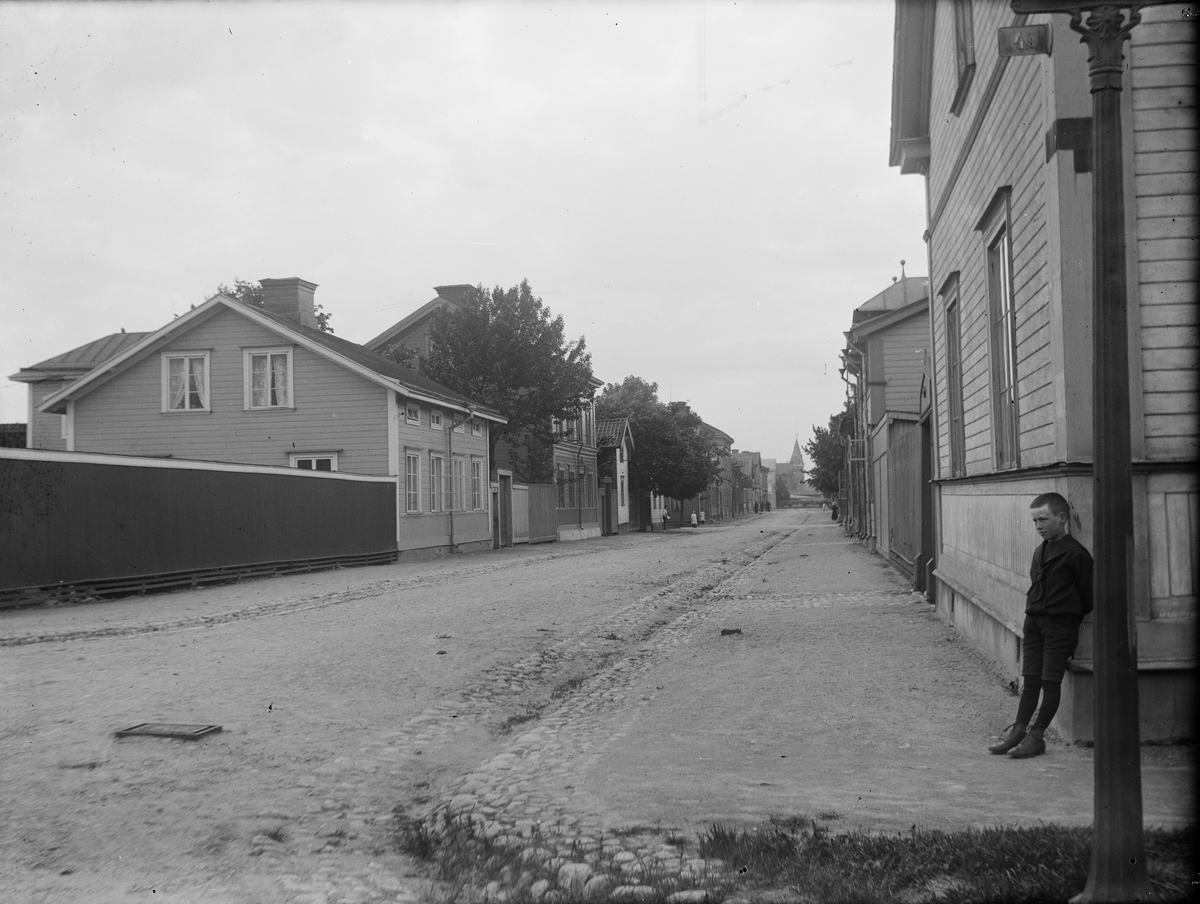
1060 595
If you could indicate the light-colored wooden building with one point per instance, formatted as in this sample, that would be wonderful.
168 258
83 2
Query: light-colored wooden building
574 449
1003 146
44 379
885 362
230 382
614 447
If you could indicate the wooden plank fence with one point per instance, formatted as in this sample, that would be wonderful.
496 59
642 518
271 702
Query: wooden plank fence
79 522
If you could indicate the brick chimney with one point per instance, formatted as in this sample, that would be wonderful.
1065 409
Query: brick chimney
291 298
453 293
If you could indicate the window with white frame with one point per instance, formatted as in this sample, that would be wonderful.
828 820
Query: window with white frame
185 381
437 483
964 52
412 413
955 422
314 461
268 378
412 481
435 419
458 484
996 227
476 484
476 428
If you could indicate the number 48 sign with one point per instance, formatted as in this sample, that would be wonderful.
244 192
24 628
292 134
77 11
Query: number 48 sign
1024 40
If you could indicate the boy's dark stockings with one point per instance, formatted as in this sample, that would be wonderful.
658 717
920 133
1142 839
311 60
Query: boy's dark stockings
1051 694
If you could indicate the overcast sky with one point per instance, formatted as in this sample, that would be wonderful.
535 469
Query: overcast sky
701 189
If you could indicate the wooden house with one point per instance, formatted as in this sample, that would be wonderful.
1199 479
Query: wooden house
49 431
885 359
1003 144
231 382
574 452
614 447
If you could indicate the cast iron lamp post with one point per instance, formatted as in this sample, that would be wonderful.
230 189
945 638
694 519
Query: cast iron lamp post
1118 867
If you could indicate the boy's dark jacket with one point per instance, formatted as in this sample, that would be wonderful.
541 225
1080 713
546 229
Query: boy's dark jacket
1061 583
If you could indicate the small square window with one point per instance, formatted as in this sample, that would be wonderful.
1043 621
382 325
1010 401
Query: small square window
412 413
476 428
435 419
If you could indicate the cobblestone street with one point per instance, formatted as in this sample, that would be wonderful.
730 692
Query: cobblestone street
584 692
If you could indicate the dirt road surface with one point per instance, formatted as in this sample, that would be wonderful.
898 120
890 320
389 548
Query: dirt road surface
586 686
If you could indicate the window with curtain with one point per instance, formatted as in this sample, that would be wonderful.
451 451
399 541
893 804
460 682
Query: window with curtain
269 378
185 382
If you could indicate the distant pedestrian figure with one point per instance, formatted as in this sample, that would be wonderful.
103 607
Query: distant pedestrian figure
1060 595
666 518
695 523
834 510
756 508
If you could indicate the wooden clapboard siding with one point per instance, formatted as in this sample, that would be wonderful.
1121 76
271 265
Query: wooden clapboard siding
1007 152
1163 84
335 410
45 430
904 363
1173 513
422 439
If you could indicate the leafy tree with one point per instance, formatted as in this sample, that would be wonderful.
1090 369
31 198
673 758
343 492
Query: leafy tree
782 494
504 349
826 453
251 293
672 456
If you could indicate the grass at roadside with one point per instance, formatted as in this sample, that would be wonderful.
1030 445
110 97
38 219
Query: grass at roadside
796 859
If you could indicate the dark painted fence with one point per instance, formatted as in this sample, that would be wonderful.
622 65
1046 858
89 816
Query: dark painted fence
111 521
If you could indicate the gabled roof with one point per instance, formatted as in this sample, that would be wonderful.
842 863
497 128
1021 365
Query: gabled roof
78 361
718 434
885 320
447 297
610 431
362 361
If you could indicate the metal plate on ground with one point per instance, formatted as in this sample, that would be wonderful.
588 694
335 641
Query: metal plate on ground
168 730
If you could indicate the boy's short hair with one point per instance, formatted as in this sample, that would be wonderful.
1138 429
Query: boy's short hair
1058 505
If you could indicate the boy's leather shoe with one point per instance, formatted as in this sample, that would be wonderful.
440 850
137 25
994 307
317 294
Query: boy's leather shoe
1033 745
1016 734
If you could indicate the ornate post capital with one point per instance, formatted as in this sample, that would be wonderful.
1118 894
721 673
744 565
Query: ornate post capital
1105 34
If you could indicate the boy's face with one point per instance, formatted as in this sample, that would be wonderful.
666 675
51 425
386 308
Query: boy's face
1048 525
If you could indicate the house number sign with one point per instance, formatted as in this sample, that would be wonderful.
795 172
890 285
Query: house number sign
1024 40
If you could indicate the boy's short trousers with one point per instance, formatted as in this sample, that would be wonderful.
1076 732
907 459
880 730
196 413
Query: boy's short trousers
1048 645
